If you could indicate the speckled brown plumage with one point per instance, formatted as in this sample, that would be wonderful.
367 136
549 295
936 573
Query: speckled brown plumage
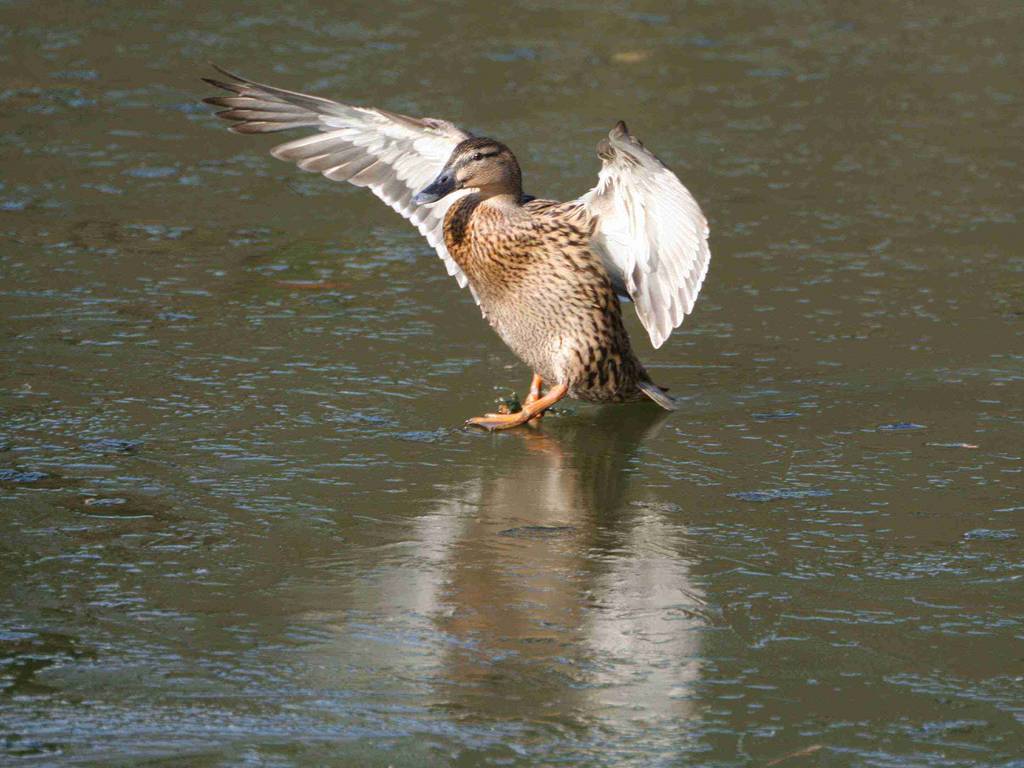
546 275
546 293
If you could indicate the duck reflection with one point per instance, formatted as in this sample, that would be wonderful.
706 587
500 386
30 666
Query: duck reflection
559 596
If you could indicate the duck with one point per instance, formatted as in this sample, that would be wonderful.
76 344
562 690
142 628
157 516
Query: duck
549 277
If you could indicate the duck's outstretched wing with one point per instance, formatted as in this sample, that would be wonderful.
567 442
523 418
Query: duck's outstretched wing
394 155
649 232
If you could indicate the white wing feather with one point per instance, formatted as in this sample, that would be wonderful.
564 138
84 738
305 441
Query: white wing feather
395 156
650 233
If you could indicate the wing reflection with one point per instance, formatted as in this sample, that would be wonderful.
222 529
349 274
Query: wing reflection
559 594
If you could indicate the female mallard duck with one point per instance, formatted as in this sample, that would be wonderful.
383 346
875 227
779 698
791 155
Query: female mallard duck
546 275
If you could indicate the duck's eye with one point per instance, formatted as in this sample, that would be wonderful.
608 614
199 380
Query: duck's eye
478 155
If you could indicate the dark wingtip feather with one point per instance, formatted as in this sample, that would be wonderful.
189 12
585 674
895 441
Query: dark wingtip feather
226 73
230 87
257 126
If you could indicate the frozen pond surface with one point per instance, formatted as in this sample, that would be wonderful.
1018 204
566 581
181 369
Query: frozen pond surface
240 523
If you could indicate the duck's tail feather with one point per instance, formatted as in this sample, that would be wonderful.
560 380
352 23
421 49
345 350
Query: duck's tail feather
658 395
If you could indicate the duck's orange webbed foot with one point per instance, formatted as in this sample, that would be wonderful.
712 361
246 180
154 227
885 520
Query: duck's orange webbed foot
531 409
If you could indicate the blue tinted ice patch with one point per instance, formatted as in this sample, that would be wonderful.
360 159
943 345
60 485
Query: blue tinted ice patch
781 494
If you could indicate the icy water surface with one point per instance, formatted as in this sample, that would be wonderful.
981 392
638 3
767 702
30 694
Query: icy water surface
240 523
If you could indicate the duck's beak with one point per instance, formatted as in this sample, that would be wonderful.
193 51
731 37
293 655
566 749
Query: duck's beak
438 188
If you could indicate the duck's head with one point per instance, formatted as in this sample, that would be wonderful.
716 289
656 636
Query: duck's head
483 164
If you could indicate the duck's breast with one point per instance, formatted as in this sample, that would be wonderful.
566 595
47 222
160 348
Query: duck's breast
542 289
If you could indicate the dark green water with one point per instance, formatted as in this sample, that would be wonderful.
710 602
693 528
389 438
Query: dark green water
240 524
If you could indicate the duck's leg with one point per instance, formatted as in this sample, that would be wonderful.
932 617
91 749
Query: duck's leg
535 390
531 409
535 384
